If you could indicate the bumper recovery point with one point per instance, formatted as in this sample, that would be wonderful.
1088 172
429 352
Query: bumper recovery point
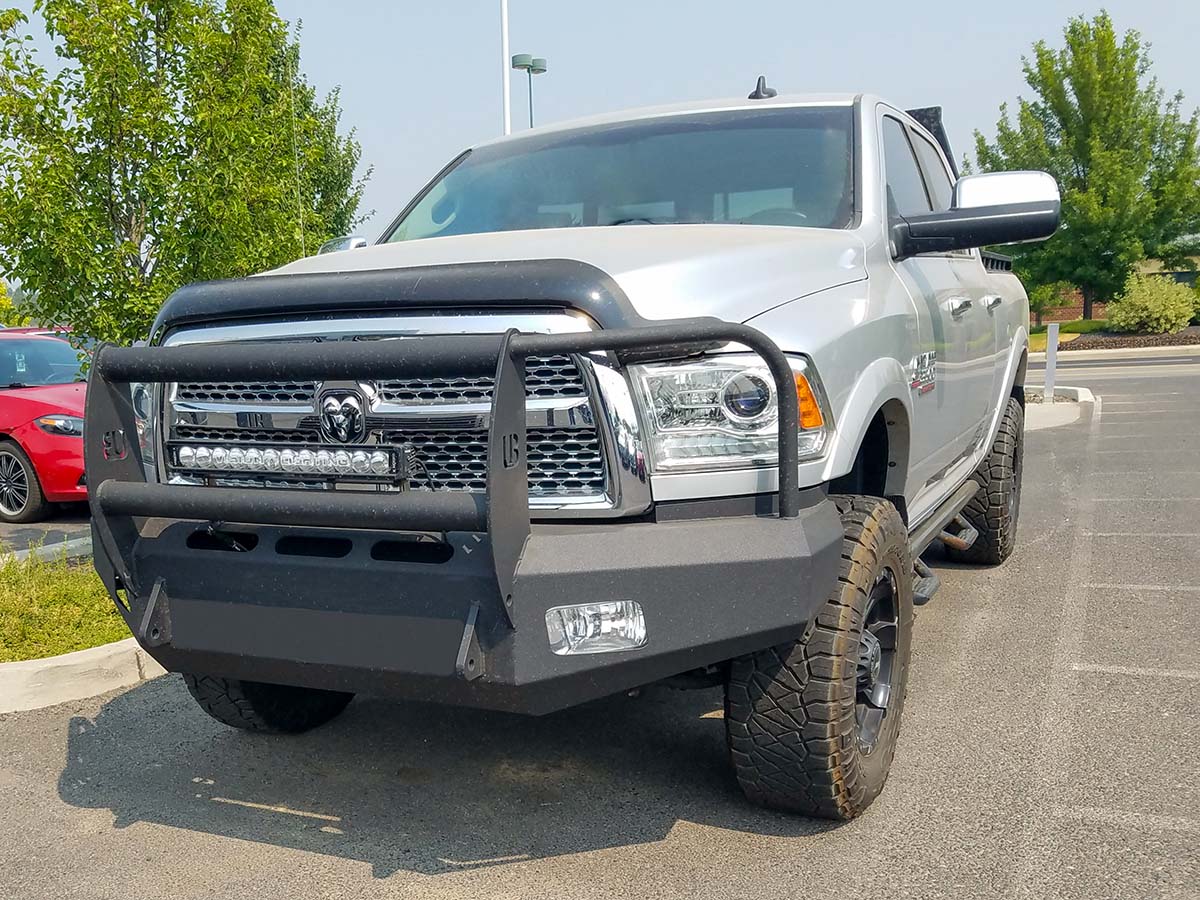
435 595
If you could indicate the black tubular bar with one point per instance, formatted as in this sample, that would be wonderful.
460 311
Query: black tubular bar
410 357
395 511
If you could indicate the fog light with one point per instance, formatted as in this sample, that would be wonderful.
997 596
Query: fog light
596 627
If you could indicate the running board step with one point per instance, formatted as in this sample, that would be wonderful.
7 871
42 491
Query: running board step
959 534
925 583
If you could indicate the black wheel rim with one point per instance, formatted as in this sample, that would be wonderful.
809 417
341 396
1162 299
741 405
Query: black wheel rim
876 671
1014 495
14 485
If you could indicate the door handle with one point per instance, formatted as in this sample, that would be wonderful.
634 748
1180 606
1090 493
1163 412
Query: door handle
992 302
959 305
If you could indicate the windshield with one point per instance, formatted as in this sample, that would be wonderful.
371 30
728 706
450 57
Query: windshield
38 361
789 166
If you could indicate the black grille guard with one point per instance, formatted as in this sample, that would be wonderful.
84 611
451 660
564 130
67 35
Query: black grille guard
119 491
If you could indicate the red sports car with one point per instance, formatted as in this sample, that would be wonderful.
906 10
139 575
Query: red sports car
41 426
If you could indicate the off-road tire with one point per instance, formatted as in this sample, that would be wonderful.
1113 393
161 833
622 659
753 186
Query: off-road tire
790 711
995 508
256 706
35 506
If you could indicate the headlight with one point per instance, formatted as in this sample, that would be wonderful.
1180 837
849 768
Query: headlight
142 398
71 426
722 412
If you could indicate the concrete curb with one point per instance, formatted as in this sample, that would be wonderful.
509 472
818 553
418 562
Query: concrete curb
1131 352
76 548
35 683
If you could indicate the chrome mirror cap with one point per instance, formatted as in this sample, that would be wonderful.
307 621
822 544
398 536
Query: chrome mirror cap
1004 188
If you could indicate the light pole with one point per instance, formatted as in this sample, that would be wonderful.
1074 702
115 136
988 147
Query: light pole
533 65
504 66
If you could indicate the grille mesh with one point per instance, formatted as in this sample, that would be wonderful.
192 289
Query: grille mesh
247 392
549 377
560 462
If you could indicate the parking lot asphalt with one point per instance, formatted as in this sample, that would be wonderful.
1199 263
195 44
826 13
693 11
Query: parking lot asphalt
1048 748
68 521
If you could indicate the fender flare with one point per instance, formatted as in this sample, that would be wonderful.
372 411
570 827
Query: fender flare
883 383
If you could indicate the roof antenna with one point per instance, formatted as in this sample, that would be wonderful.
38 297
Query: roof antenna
761 91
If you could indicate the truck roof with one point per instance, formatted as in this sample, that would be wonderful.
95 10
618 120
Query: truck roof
678 109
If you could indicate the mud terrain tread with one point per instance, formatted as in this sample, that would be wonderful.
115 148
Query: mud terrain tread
272 708
790 714
988 510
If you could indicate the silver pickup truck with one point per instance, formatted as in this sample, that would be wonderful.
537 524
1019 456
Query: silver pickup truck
678 395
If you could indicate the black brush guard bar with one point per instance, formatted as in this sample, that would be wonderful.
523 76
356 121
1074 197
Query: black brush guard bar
119 491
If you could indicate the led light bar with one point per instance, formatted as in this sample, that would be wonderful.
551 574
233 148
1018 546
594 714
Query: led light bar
219 458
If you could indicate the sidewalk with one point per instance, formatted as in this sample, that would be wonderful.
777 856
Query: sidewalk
1129 352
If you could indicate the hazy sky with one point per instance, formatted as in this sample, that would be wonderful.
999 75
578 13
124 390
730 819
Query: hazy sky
420 79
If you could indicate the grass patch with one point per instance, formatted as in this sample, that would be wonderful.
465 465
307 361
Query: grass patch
1037 342
1079 326
53 606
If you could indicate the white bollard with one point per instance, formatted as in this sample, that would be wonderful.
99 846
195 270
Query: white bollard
1051 361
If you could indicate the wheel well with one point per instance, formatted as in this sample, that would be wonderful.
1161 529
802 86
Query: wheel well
881 463
1018 388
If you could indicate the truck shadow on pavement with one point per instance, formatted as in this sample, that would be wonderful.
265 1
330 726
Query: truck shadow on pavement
418 788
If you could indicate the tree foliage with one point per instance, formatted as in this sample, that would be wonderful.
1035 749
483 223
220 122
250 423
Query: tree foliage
174 140
10 314
1126 159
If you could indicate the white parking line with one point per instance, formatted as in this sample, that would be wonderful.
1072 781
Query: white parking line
1136 672
1105 586
266 807
1145 534
1127 819
1145 499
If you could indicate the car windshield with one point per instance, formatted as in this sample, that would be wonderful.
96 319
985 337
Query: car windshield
38 361
779 166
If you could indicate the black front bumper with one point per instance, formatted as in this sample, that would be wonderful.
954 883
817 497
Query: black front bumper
711 589
350 602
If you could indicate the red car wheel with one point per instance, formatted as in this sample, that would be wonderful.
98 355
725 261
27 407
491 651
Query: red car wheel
21 497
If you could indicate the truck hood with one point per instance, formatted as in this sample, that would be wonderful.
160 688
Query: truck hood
733 272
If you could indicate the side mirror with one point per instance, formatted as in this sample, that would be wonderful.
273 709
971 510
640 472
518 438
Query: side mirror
348 242
997 208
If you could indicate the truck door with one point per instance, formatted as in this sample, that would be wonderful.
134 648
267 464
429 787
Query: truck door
951 407
979 317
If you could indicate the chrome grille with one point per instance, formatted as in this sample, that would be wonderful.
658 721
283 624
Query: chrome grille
248 392
561 462
439 416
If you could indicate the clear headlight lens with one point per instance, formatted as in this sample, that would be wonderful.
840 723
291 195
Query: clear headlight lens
722 412
70 426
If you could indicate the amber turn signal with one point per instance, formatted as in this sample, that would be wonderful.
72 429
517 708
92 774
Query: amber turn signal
810 410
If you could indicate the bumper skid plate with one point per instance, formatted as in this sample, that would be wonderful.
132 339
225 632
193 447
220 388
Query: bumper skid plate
435 595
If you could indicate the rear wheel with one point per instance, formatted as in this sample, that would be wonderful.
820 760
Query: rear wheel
21 498
257 706
995 508
812 725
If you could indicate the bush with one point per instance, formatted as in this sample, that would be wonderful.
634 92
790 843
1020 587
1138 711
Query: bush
1151 304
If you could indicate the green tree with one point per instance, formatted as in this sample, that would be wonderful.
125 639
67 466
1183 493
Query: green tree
176 140
10 313
1126 159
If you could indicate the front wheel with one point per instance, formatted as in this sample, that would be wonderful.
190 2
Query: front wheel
21 498
812 725
258 706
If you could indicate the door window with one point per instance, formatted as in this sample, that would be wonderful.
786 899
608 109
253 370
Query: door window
936 175
906 191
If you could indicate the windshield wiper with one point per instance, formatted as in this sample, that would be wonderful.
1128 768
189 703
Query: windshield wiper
16 384
635 219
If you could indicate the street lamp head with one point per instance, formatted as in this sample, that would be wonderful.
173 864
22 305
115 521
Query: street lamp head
538 65
523 61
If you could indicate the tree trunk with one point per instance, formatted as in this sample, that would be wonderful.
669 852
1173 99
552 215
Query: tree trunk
1037 318
1088 295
